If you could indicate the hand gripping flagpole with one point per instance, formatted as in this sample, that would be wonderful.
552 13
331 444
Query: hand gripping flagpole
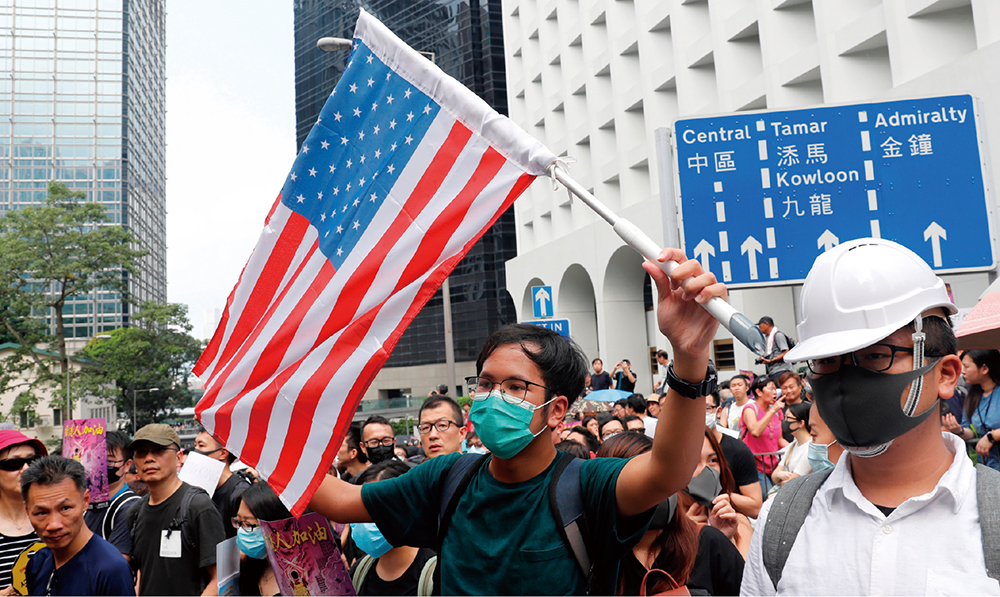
737 323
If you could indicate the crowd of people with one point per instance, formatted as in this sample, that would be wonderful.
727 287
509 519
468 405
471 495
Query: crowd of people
869 451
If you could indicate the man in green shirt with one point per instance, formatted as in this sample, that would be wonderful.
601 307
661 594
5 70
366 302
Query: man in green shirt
502 537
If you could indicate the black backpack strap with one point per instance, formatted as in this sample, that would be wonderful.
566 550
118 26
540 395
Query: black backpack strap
117 504
455 481
566 501
789 510
180 522
988 499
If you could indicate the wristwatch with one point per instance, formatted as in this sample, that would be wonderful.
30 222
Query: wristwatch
989 436
692 390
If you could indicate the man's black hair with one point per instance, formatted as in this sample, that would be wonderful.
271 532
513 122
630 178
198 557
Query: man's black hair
663 354
627 418
120 440
759 383
574 448
436 401
50 470
230 458
745 378
940 336
595 360
387 469
376 419
592 443
353 438
716 399
560 360
766 319
637 403
622 402
442 389
600 428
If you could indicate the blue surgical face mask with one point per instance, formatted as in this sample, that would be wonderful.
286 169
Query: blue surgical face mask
504 428
251 543
819 456
369 539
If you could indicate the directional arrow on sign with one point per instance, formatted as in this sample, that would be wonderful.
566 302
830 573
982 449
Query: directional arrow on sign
543 298
751 247
827 241
935 233
702 251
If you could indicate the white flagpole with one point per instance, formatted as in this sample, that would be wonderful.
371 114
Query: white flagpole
738 325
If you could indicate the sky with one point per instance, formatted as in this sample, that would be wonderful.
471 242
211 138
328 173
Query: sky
230 140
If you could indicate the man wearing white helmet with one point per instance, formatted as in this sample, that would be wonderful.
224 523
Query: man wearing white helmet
900 512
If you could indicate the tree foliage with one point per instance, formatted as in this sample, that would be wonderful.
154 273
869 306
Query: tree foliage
158 351
51 252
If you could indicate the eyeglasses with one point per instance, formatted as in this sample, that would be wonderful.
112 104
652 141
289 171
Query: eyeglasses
441 425
610 434
512 390
15 464
638 429
242 524
877 357
115 463
157 452
376 442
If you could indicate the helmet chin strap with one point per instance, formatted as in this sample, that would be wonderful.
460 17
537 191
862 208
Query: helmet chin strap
910 406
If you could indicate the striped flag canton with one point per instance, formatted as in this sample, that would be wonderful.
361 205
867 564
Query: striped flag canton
367 131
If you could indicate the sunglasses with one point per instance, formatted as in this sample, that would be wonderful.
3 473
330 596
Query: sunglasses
15 464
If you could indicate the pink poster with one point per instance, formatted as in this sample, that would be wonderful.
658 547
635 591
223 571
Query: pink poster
305 558
84 441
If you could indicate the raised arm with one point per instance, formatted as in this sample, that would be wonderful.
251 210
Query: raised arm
758 426
339 501
650 478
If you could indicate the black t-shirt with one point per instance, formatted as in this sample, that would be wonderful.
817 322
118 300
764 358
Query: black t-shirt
718 567
227 499
184 575
600 381
622 382
406 584
97 569
741 461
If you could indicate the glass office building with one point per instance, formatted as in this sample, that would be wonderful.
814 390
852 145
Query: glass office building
82 102
466 40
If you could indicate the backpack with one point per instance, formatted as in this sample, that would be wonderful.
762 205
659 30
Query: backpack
788 340
565 500
792 503
179 523
122 501
425 586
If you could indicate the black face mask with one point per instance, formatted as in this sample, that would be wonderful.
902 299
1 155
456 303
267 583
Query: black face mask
113 475
381 454
861 407
705 487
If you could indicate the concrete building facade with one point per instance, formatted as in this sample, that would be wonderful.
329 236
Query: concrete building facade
597 80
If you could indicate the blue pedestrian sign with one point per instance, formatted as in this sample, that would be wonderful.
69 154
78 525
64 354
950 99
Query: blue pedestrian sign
556 325
762 194
541 301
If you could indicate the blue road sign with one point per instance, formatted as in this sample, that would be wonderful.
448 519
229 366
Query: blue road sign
541 301
556 325
762 194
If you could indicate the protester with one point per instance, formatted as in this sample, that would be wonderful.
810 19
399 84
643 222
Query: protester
109 523
739 385
634 423
760 429
899 514
662 360
599 379
442 427
17 451
500 535
703 560
708 499
575 448
584 437
259 502
790 384
653 406
386 570
593 426
74 560
795 460
635 405
611 427
230 485
981 416
622 377
351 460
173 553
824 451
378 439
747 498
777 344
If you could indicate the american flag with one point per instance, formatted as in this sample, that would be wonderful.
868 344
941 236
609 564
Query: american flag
403 171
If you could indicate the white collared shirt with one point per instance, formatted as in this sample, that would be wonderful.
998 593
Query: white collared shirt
930 545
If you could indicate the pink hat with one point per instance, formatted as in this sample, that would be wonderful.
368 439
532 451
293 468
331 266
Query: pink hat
12 437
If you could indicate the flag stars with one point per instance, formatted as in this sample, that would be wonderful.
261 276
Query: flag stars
293 176
348 164
362 159
389 99
340 229
336 191
388 76
373 197
357 112
337 116
356 202
392 124
361 135
340 252
361 182
406 94
312 171
301 199
393 148
319 196
376 129
322 218
427 109
357 224
325 145
371 82
378 153
409 139
347 188
409 117
391 169
332 168
354 88
370 56
374 106
305 149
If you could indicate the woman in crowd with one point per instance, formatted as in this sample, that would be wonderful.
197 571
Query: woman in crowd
792 392
593 426
795 460
696 555
981 370
760 429
824 450
259 503
388 570
16 533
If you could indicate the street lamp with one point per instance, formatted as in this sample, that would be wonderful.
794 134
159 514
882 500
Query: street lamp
134 394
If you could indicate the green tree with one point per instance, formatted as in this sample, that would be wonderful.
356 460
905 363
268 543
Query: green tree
158 351
51 252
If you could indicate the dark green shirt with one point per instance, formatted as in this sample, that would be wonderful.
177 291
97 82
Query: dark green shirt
503 539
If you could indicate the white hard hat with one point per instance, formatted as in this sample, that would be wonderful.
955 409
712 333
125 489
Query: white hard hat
860 292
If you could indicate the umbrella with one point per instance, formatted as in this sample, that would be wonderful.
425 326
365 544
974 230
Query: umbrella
608 395
981 327
585 405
